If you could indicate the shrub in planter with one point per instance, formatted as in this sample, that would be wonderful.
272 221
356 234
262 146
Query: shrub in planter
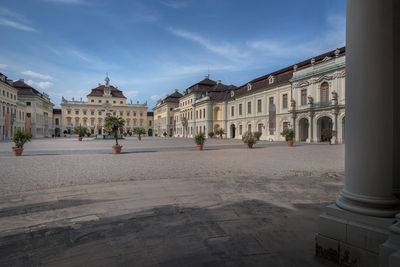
220 132
326 134
257 135
289 136
88 134
165 134
249 139
114 125
80 131
20 137
211 134
199 139
139 131
125 134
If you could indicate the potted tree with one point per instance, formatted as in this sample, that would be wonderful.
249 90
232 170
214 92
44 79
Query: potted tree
199 139
289 136
113 125
257 135
249 139
80 131
139 131
211 134
20 137
165 134
220 132
326 135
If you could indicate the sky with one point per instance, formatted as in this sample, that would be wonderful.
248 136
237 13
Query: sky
149 48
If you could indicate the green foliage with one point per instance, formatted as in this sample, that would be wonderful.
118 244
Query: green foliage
165 134
249 138
57 132
220 132
139 131
257 135
327 134
20 137
200 138
80 130
288 134
114 125
88 134
211 134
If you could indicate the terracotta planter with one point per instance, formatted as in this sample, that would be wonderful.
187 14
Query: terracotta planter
200 147
140 138
290 143
17 151
80 138
116 149
250 145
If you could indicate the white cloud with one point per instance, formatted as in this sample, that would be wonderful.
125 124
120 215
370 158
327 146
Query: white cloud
157 97
3 66
130 94
34 74
226 50
175 4
14 20
39 85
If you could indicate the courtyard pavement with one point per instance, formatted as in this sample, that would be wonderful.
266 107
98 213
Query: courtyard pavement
163 203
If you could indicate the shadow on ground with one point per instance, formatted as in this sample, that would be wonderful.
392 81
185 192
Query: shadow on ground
248 233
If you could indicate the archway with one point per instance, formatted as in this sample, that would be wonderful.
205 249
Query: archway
324 125
233 131
150 132
303 129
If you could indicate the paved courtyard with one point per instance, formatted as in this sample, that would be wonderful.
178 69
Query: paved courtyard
163 203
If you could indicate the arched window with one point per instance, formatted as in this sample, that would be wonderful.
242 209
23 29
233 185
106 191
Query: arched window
324 93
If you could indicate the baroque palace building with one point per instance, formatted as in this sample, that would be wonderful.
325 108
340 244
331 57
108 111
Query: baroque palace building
308 97
164 114
104 100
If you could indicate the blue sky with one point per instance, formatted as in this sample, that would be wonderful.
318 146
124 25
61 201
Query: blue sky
151 47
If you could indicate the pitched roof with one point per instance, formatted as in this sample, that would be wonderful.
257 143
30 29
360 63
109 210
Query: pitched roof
56 111
25 89
99 91
202 86
284 75
174 97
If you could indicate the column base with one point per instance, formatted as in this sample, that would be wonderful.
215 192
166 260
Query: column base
351 239
386 207
390 250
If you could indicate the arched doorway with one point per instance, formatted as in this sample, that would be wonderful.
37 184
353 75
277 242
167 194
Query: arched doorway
233 131
303 129
150 132
324 129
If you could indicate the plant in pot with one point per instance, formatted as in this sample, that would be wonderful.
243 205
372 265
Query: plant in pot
139 131
249 139
326 135
165 134
113 125
211 134
20 137
65 133
289 136
220 132
88 134
257 135
199 139
80 131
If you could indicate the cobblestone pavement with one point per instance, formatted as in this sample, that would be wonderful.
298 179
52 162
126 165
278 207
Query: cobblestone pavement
70 203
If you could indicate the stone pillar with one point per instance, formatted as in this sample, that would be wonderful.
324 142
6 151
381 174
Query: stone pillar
310 118
353 231
369 146
334 126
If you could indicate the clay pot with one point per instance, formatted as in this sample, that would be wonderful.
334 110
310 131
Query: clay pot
200 147
290 143
116 149
80 138
17 151
250 145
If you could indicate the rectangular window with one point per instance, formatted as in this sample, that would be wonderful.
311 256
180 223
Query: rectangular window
99 101
76 112
240 110
285 101
259 106
232 111
92 100
28 103
240 129
304 97
204 113
249 128
248 107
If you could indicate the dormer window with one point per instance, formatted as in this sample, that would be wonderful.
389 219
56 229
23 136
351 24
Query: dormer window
249 86
271 79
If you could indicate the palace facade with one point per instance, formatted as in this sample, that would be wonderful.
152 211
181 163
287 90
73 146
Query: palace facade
308 97
102 101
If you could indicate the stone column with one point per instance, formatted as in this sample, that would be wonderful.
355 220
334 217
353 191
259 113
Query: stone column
369 159
310 128
334 126
353 232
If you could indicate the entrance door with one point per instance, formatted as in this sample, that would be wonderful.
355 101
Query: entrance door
233 131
